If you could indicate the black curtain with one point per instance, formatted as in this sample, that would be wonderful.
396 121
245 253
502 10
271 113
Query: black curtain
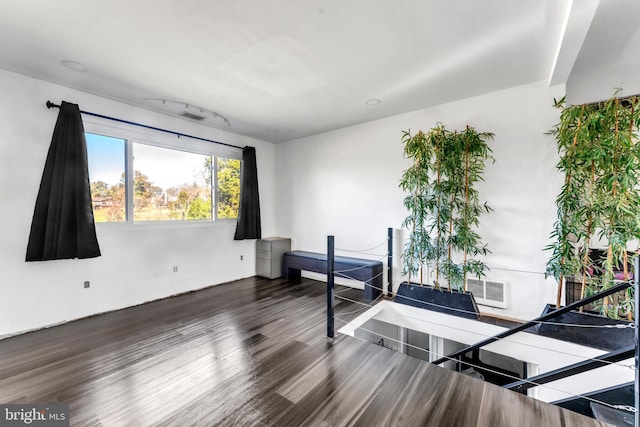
63 225
248 226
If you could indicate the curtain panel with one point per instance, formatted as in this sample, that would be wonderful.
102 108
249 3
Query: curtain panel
248 226
63 225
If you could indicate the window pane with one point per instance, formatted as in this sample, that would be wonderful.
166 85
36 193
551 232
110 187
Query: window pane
170 185
228 187
106 175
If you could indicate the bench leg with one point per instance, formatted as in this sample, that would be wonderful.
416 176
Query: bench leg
292 274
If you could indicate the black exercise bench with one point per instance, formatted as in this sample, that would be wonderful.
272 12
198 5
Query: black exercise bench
364 270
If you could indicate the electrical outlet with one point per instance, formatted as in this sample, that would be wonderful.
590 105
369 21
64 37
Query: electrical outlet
175 268
241 257
87 284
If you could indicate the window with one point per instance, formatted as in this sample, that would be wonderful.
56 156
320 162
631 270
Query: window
170 185
228 195
107 177
161 184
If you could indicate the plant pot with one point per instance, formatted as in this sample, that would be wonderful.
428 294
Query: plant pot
604 339
461 304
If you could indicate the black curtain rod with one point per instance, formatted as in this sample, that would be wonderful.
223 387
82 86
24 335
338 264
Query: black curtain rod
50 104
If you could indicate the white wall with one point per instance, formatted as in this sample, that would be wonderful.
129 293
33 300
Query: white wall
345 183
612 59
136 262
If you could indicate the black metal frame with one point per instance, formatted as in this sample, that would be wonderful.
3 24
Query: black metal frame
567 371
389 262
330 288
523 385
534 322
615 356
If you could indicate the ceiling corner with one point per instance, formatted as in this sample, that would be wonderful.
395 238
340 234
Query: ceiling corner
577 20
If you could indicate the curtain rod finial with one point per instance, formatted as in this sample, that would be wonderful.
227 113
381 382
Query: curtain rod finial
50 104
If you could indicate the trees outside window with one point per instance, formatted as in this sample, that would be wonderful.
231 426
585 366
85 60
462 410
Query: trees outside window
166 184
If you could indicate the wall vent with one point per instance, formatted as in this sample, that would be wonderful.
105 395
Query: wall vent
488 292
188 115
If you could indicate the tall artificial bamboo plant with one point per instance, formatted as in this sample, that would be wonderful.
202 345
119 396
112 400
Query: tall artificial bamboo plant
599 203
444 205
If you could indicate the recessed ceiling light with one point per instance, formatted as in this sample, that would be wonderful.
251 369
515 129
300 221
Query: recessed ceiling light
73 65
372 101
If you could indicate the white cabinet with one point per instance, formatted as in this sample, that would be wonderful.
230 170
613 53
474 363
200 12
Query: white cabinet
269 256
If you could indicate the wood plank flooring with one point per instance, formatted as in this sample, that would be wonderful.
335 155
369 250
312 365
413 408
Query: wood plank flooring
247 353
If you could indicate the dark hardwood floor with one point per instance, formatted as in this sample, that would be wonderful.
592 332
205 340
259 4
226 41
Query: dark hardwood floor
247 353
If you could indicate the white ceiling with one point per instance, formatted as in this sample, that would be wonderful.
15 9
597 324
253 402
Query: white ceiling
282 69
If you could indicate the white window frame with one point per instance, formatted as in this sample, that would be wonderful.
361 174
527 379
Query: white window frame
159 139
